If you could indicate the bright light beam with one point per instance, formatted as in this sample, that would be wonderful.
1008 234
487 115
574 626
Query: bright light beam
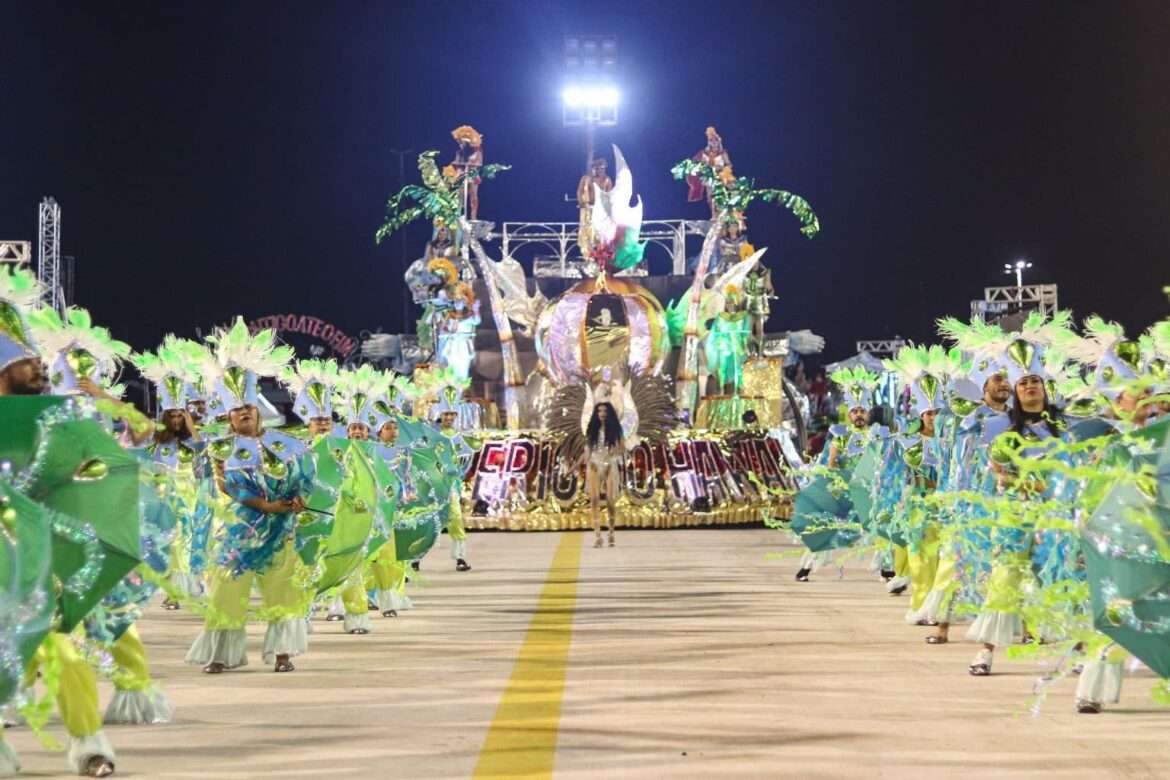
592 97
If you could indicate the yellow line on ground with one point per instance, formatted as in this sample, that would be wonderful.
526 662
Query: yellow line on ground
522 740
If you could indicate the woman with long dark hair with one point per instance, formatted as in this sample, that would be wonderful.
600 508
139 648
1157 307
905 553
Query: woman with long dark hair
1032 418
605 449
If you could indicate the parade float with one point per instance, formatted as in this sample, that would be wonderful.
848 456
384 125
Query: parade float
713 428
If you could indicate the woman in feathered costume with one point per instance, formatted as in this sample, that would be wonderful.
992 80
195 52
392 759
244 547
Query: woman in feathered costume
605 450
599 420
727 342
456 346
174 450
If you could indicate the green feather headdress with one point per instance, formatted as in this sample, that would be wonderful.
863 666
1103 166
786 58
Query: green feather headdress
358 390
241 358
914 366
313 383
76 349
171 370
857 384
20 293
1117 362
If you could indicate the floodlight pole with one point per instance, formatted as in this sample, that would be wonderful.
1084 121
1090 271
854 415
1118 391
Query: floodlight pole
589 128
401 154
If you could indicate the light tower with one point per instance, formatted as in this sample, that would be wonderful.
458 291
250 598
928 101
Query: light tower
1018 269
590 97
49 254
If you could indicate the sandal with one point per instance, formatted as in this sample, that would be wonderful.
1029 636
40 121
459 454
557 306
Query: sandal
334 618
802 575
462 565
284 666
1087 707
170 605
215 667
99 766
357 632
936 639
389 613
981 666
926 622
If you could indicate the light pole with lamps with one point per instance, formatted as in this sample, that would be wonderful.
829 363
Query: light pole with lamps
1018 269
401 154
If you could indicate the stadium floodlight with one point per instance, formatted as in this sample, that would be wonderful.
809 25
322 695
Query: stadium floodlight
1018 269
591 100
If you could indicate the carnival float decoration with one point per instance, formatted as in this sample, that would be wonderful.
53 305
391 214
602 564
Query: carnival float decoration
730 196
605 336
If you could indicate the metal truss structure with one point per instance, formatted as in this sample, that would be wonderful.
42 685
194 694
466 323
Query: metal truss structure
881 347
15 252
999 301
49 256
559 242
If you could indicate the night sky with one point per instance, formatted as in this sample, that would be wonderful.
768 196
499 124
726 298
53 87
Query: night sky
214 158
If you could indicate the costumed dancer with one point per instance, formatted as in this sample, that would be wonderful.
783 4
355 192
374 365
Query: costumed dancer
719 159
22 374
84 362
1121 390
845 448
446 415
387 571
599 422
263 477
758 290
445 244
979 403
586 197
733 245
313 384
456 342
605 451
175 450
921 371
357 392
726 345
469 157
1032 420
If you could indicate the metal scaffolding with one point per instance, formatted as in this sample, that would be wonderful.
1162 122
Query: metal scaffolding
49 257
559 241
17 253
999 301
881 347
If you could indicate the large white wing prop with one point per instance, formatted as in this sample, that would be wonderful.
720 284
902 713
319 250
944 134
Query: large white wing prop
612 210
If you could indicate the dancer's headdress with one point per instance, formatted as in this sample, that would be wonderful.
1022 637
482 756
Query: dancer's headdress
1157 347
241 358
358 390
1117 362
172 371
19 294
982 347
927 372
467 133
857 386
76 349
313 383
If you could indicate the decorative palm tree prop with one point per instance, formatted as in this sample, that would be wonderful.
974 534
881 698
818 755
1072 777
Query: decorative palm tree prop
440 194
731 196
